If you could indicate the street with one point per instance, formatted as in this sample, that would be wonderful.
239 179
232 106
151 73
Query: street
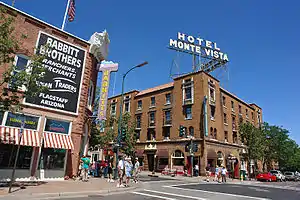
179 190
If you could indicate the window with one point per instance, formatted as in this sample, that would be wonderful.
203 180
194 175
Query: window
168 98
1 117
113 108
232 106
152 118
240 120
152 101
151 134
15 120
57 126
166 133
127 104
140 105
247 113
188 91
163 161
137 135
212 94
252 115
233 123
21 63
235 138
188 112
53 159
224 101
191 131
212 112
168 119
240 109
215 133
91 95
225 118
226 136
138 121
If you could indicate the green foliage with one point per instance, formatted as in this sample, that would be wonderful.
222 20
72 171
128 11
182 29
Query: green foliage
129 126
11 97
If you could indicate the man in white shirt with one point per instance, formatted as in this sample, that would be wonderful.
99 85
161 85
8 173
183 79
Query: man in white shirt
121 171
136 170
223 174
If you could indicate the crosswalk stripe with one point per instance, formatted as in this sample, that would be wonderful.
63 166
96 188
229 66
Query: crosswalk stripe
173 194
150 195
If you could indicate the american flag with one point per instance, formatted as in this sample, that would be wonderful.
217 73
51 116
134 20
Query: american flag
71 11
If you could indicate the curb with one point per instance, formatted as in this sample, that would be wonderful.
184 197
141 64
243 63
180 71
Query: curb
66 194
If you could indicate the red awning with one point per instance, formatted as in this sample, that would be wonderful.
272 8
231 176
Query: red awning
10 135
139 153
162 153
57 141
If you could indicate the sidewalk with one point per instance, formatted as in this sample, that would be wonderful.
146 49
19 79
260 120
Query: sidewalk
58 189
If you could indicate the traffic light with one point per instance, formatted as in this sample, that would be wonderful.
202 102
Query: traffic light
195 147
181 131
187 147
123 134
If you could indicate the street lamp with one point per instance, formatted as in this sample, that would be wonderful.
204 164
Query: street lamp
121 117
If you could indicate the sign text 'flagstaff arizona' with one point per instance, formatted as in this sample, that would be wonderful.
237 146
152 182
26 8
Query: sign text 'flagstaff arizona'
197 45
105 67
64 64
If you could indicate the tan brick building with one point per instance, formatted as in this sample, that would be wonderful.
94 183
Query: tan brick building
56 123
161 110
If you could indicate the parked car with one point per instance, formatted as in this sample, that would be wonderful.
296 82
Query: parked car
267 176
278 174
290 176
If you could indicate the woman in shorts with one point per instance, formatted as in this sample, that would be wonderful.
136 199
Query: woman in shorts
110 173
128 170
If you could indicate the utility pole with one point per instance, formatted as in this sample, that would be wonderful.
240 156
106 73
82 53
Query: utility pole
192 156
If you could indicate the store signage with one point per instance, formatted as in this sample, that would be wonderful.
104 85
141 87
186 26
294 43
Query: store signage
57 126
64 64
197 45
105 67
15 120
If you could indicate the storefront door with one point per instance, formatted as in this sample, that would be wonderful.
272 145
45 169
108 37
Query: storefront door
150 158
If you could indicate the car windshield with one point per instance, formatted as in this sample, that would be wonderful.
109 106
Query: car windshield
288 173
274 172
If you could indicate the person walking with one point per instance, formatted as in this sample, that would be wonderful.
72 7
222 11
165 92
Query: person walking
223 174
121 171
216 178
109 171
85 167
136 170
207 173
128 170
196 170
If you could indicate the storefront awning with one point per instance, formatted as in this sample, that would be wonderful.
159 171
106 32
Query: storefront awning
139 153
162 153
211 154
57 141
10 135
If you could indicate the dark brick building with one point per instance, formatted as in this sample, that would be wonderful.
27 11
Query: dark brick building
160 111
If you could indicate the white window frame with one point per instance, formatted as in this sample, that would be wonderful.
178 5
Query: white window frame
23 88
152 105
111 105
214 94
90 95
168 102
126 100
28 114
185 113
184 82
70 127
139 108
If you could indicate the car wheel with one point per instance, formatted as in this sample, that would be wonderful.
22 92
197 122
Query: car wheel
270 180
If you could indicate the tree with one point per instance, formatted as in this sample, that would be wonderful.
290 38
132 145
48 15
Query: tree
10 96
129 141
252 137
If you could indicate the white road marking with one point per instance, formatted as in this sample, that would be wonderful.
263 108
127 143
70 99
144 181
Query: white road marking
173 194
150 195
219 193
258 189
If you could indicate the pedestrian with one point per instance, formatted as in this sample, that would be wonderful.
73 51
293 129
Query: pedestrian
121 171
85 167
110 173
216 178
136 170
223 174
128 170
207 173
196 170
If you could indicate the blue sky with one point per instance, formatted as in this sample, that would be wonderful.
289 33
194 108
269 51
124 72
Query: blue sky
260 37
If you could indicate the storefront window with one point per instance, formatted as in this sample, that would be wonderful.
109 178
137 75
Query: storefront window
15 120
163 161
57 126
1 117
53 158
8 154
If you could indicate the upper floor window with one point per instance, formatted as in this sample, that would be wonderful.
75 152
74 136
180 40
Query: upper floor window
233 123
247 113
90 95
188 91
140 105
127 104
234 137
188 112
138 121
240 109
225 118
152 118
152 101
212 112
226 136
232 105
224 100
212 95
113 107
21 62
252 115
191 131
168 117
168 98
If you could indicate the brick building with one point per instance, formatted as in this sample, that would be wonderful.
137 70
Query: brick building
207 111
56 122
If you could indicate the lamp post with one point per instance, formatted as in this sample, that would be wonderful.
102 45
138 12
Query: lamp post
121 117
17 154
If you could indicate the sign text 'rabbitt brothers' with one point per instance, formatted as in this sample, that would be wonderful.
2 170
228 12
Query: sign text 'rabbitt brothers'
197 45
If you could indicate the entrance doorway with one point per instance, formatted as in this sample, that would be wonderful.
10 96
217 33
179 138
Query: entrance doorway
150 158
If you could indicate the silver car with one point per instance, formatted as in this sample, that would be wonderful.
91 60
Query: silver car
290 176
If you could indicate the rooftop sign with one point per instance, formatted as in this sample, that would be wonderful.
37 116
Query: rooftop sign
197 45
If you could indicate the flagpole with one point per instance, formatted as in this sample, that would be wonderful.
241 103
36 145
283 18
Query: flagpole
65 17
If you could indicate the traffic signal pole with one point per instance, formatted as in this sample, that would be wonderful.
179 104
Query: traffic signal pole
192 156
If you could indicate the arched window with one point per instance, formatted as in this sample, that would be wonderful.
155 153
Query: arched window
191 131
178 154
215 133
